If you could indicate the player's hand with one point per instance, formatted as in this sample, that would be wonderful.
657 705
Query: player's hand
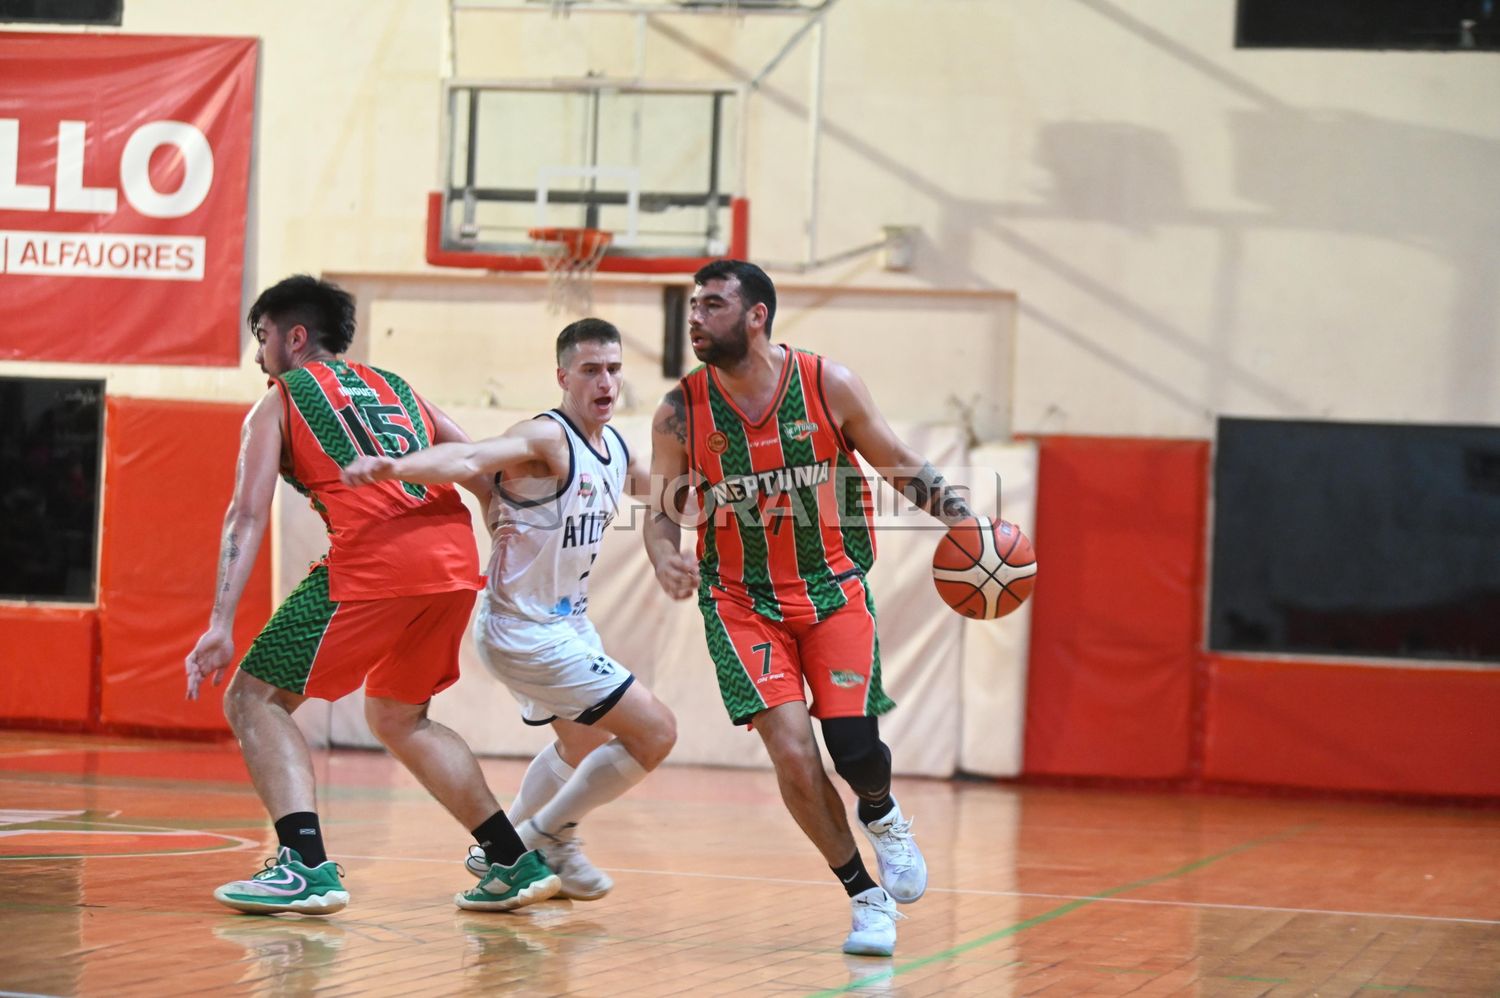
209 657
363 470
678 575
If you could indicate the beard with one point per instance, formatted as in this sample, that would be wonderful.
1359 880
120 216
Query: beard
729 351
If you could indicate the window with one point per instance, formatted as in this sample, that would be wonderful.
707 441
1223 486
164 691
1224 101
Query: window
63 11
50 444
1443 25
1358 539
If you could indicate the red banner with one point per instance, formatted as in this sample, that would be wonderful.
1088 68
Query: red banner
124 178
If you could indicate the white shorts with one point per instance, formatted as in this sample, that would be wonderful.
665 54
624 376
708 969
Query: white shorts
554 670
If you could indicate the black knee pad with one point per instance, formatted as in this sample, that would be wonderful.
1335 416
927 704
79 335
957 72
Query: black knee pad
858 754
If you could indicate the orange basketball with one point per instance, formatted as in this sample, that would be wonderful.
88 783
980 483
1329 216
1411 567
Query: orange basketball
984 568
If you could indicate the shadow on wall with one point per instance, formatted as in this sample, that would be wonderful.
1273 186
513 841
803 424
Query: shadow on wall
1310 170
1390 180
1334 172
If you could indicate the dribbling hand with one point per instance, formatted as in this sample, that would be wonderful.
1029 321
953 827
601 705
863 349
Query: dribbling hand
209 657
678 575
363 470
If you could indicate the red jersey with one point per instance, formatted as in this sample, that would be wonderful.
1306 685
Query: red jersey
389 538
787 514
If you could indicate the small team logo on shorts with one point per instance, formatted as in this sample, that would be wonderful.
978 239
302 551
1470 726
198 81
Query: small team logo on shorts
846 680
799 429
717 442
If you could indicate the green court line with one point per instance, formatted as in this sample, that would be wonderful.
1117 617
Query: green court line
1055 913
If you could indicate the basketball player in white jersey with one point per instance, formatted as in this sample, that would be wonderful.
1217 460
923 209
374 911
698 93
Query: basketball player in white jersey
558 481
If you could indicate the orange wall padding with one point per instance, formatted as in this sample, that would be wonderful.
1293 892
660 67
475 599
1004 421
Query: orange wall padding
47 663
169 474
1117 610
1353 727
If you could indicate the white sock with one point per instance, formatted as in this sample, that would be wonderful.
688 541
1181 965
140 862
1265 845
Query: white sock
604 774
546 775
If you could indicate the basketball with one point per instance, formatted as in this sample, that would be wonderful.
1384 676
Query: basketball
984 568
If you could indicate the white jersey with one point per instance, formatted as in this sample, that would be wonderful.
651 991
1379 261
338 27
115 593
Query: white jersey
545 544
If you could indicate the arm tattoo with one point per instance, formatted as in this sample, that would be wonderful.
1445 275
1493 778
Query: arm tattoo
929 490
231 555
674 423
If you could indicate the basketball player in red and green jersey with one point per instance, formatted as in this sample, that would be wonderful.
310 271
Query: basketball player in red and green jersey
767 435
386 609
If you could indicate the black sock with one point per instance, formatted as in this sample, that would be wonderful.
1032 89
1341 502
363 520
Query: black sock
853 875
300 832
875 810
498 838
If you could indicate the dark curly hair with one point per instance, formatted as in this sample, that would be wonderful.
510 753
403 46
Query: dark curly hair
326 309
755 287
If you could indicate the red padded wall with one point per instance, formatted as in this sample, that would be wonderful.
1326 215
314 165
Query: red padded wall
169 474
1117 610
47 658
1353 727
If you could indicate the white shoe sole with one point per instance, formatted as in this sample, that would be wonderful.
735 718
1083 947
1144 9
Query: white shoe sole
319 904
573 895
539 890
854 948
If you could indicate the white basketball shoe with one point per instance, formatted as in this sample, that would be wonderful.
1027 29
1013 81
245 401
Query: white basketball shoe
903 871
873 932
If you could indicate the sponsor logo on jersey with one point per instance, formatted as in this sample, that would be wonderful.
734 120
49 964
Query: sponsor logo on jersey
846 680
585 485
739 488
799 429
717 442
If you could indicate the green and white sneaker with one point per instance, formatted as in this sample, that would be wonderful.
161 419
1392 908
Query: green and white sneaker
287 884
581 880
505 887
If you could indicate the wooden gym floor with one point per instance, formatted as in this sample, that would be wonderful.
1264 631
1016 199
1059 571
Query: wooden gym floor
110 848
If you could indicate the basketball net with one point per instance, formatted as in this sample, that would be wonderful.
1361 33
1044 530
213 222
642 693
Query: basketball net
571 258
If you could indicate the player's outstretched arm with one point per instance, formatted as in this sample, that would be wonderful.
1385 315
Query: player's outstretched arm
446 431
676 572
533 440
866 430
244 527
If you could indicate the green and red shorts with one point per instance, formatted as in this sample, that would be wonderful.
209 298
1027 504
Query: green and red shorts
403 648
763 663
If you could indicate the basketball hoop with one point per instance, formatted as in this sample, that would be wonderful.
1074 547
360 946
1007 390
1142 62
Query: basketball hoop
571 258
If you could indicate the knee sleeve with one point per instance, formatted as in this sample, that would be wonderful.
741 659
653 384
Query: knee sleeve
858 754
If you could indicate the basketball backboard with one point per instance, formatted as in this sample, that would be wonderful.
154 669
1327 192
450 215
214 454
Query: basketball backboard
655 165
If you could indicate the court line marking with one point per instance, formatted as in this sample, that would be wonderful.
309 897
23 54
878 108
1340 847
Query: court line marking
240 842
155 784
4 832
232 843
1055 913
80 750
976 892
